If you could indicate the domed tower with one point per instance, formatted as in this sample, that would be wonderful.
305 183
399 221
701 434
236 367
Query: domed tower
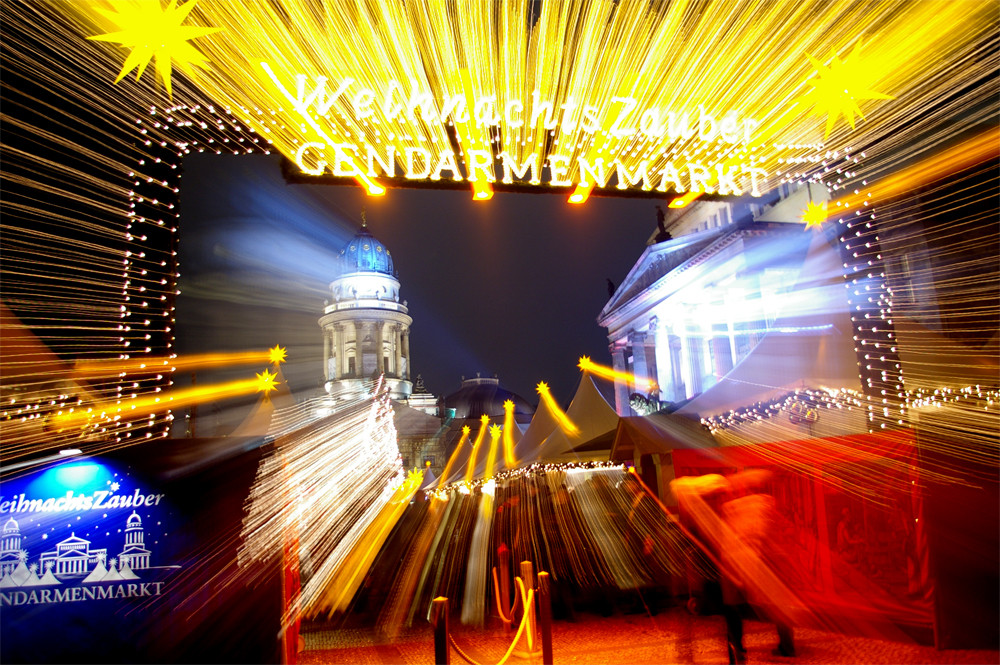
133 530
485 397
135 553
10 546
366 328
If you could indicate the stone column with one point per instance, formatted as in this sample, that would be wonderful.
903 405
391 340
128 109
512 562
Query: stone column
406 353
379 351
637 340
622 405
326 354
359 349
397 350
661 351
341 351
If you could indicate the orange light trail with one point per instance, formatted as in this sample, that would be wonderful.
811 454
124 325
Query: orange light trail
470 471
562 419
587 365
494 446
979 149
509 459
98 368
351 570
149 404
454 456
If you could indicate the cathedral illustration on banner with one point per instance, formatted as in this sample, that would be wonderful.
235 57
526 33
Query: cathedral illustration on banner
72 557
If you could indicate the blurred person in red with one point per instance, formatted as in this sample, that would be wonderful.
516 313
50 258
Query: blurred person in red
749 557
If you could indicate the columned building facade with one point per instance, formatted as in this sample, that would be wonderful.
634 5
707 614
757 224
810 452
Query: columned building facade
699 301
366 327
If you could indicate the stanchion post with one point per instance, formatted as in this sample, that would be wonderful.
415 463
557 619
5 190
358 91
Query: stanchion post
439 619
528 577
545 616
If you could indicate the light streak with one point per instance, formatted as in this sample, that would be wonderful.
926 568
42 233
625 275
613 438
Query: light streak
935 61
560 416
446 474
509 459
491 457
527 90
339 482
587 365
984 147
146 405
153 365
683 201
470 470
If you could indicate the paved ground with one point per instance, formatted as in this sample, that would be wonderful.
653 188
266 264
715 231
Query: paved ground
672 636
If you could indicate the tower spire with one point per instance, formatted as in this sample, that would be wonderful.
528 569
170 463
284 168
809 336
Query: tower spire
364 220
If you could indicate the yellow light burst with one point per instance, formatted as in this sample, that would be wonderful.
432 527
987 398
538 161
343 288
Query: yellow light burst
266 382
837 86
814 215
277 355
154 31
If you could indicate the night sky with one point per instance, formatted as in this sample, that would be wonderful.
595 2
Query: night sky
510 287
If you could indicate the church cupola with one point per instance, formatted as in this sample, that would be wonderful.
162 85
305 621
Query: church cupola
366 327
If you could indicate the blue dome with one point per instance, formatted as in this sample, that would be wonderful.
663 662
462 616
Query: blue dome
364 253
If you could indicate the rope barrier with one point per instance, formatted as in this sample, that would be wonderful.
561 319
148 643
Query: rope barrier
529 599
496 594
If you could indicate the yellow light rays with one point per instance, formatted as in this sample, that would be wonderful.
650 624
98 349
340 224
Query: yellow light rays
509 459
640 382
350 571
454 456
470 470
979 149
339 483
152 31
555 85
683 201
567 425
491 458
145 405
150 365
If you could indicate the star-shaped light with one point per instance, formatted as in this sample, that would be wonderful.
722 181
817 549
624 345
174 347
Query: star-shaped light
814 215
495 431
837 86
266 381
277 355
154 31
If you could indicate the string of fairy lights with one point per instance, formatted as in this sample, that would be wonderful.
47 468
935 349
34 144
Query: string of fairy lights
679 56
